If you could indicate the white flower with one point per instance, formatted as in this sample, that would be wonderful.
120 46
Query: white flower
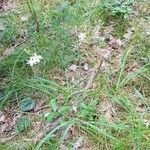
35 59
81 36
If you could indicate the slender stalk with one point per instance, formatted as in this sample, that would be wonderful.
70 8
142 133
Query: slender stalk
32 10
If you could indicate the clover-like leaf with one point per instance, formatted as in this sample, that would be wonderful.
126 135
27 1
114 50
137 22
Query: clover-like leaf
27 104
23 124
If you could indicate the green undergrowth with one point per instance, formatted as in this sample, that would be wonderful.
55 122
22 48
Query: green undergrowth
48 32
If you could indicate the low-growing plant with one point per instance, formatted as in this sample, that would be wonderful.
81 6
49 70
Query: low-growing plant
118 7
116 11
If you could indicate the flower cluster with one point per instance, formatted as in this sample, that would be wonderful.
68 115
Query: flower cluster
35 59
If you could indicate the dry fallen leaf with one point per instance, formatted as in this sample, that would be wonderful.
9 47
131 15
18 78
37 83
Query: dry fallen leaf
2 118
73 67
63 147
8 51
10 5
74 131
88 145
107 109
105 106
108 115
39 106
79 144
9 122
105 66
131 68
105 52
7 128
86 67
115 43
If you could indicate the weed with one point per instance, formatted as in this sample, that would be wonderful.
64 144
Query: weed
117 7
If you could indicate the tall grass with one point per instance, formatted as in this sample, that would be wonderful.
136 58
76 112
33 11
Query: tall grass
49 34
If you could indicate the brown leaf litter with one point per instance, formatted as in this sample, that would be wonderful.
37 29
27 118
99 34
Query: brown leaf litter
8 122
73 67
107 109
6 5
78 144
111 54
115 43
77 73
86 67
48 126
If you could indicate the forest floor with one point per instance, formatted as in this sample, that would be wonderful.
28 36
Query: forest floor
74 75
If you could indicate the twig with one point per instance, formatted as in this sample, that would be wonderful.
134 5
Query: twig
93 74
90 80
49 126
40 109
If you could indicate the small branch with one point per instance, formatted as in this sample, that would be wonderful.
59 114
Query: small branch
48 127
93 74
90 80
40 109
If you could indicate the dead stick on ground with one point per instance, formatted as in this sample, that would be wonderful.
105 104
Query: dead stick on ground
91 79
93 74
48 128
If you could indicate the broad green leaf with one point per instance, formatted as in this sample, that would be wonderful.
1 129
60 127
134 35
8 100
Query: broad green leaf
23 124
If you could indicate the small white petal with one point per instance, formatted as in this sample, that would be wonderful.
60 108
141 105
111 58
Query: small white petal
35 59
